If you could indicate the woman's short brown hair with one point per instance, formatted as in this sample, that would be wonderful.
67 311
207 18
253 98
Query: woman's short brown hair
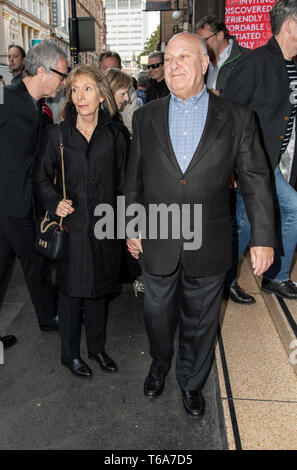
118 79
101 82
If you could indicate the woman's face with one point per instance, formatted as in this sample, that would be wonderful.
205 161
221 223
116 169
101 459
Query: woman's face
85 95
121 97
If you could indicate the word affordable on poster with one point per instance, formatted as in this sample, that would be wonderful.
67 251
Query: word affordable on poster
248 20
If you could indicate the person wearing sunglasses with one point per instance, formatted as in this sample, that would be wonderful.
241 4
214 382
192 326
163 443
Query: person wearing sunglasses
157 87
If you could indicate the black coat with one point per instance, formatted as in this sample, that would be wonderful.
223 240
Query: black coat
94 174
229 140
261 82
19 135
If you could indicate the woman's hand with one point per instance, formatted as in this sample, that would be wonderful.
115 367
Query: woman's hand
134 246
64 208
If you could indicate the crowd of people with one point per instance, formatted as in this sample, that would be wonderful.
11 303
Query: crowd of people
175 137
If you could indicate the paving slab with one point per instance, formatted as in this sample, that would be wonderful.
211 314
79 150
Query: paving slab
43 406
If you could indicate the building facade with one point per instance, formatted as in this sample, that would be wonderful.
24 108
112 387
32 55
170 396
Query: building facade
95 8
59 14
20 22
127 30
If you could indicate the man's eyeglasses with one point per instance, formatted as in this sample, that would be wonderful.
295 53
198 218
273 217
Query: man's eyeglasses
62 75
208 37
154 66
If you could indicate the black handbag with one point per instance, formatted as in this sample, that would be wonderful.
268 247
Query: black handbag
52 237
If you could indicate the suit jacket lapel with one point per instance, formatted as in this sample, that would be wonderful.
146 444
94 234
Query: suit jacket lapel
215 120
161 125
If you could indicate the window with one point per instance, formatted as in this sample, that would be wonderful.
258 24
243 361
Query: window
63 14
41 10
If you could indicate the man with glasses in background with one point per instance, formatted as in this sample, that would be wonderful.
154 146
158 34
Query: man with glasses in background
157 87
20 124
223 50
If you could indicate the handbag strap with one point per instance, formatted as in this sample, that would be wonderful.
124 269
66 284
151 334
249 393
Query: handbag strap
62 166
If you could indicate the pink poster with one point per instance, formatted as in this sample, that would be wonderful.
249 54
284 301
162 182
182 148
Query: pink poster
248 20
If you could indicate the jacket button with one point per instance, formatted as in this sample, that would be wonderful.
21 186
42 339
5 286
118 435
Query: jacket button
282 137
286 118
182 181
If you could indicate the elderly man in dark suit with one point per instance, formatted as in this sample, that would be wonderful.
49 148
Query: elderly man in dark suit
20 119
184 150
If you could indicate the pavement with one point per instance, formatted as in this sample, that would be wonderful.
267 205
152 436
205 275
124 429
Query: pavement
44 407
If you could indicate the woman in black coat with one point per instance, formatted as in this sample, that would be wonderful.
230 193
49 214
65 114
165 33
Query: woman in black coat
120 83
94 159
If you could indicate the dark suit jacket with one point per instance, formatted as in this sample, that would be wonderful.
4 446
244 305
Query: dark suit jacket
261 82
19 132
230 140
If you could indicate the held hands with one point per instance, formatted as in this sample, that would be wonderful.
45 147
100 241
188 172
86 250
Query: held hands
134 246
64 208
262 258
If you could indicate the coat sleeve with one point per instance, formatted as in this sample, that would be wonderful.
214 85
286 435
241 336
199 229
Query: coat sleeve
242 81
121 149
255 183
133 185
45 168
6 106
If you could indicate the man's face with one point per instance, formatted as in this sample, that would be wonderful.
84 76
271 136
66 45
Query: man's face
293 35
109 63
212 40
51 81
15 60
156 73
185 66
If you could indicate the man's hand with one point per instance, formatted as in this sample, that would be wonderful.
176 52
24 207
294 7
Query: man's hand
134 246
233 182
262 258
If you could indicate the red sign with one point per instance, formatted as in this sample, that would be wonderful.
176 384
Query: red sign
248 20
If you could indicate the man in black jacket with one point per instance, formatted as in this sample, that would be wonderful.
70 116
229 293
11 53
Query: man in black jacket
16 58
266 80
184 150
20 119
223 50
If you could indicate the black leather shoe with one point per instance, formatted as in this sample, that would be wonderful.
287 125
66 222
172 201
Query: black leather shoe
50 325
194 403
238 295
105 362
152 387
77 366
8 341
287 289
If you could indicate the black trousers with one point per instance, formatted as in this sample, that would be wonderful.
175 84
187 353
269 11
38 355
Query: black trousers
17 236
70 324
196 303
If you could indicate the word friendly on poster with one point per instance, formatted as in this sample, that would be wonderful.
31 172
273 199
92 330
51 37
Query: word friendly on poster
248 21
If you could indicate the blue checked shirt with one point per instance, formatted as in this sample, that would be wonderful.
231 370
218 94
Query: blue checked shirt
186 124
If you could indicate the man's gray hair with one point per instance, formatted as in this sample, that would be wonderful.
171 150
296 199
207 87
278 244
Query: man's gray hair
281 11
45 54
